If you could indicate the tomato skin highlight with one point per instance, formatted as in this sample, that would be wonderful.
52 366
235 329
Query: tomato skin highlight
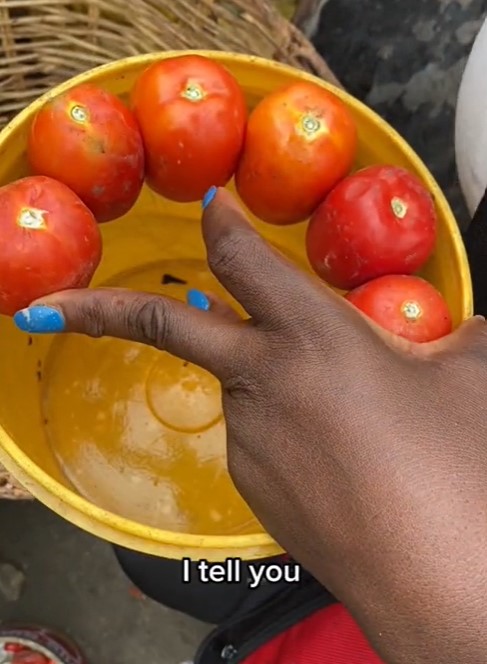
90 141
59 247
193 116
405 305
301 140
380 220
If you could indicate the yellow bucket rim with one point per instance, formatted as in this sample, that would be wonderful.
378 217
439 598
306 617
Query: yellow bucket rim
80 511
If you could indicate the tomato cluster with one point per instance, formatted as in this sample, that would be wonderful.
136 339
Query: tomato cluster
187 128
372 232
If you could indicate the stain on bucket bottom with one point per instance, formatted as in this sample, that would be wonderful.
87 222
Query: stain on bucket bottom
141 432
27 644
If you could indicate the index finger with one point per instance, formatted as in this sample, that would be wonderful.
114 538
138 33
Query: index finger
201 337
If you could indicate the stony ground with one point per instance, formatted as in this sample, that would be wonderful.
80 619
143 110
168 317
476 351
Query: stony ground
67 579
404 58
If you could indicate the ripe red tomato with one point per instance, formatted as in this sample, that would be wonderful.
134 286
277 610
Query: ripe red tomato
89 140
404 305
381 220
50 241
192 114
301 140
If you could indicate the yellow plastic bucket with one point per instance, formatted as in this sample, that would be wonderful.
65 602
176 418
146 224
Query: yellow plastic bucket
81 393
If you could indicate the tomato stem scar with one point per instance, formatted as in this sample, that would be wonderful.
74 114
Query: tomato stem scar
311 127
193 92
32 218
79 114
411 310
399 207
310 124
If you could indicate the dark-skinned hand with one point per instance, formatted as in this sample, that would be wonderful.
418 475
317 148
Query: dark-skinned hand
364 456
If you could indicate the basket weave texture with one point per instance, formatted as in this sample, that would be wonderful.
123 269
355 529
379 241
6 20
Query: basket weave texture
10 489
45 42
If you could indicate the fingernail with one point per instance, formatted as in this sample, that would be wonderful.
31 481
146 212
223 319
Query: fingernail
39 320
198 300
209 196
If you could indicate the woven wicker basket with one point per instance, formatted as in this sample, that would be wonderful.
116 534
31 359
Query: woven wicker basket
45 42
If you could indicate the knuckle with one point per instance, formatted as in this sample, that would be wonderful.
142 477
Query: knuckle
93 317
149 322
240 385
244 379
226 252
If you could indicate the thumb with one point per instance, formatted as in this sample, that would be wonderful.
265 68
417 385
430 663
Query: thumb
198 336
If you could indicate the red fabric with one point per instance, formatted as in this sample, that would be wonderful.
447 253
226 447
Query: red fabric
329 636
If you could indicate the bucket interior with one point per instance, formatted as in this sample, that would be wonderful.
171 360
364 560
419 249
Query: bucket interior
134 430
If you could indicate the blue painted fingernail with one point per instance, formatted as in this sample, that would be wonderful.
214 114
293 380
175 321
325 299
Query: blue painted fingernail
209 196
39 320
198 300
